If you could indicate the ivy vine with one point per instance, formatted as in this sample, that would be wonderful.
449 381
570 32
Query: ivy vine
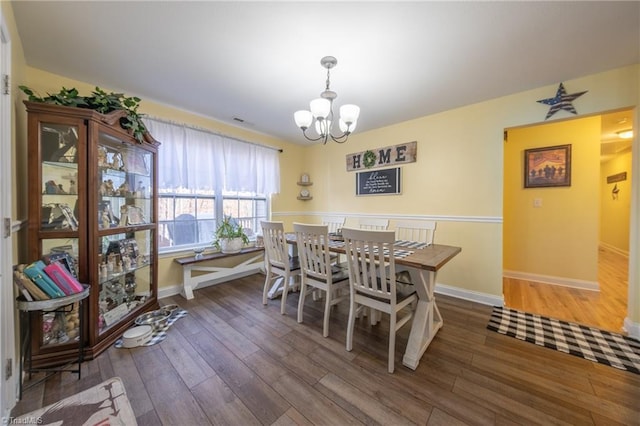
99 101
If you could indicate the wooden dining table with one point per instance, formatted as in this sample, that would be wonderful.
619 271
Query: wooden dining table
423 264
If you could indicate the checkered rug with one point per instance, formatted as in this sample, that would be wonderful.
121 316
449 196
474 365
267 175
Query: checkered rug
589 343
160 334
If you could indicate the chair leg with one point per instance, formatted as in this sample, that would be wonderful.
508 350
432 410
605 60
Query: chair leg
351 324
327 312
392 341
285 290
303 295
265 291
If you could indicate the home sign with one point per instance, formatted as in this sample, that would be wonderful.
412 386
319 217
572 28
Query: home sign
383 157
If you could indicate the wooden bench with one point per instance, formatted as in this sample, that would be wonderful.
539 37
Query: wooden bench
216 274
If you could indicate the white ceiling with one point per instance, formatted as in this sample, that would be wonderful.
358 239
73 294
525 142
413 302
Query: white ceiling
260 61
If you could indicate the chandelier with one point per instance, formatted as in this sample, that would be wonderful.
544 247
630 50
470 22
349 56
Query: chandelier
322 113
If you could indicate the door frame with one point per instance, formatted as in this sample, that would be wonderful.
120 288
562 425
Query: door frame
8 369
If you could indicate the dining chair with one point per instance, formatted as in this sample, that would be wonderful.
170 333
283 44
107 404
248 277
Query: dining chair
334 223
317 270
422 231
278 264
373 224
371 264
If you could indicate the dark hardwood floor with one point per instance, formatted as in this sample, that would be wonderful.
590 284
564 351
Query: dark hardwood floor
233 361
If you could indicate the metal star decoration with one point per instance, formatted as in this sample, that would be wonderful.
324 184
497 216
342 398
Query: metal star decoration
561 101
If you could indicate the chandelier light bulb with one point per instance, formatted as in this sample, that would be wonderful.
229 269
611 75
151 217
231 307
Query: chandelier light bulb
303 119
349 113
320 108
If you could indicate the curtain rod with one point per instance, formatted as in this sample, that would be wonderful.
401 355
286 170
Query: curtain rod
211 132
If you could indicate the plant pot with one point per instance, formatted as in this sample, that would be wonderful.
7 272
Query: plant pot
231 245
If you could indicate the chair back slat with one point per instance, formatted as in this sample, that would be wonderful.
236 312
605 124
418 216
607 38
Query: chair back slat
371 263
275 244
373 223
313 249
416 230
334 223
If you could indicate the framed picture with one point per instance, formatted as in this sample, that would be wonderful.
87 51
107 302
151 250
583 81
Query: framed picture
547 167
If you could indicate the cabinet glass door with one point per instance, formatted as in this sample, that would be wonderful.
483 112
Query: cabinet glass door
125 275
59 154
125 178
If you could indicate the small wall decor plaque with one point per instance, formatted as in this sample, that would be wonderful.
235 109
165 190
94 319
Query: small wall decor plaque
378 182
618 177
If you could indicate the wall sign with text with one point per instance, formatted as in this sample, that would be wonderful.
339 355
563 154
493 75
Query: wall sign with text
383 157
378 182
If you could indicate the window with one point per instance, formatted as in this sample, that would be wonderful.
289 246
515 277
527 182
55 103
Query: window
200 181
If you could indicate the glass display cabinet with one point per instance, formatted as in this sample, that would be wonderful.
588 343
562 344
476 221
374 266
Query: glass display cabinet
92 202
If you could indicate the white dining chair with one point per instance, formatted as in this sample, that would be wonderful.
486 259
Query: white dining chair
371 264
421 231
373 223
278 265
334 223
318 271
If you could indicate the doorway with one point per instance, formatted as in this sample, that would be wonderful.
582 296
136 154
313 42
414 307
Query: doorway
565 249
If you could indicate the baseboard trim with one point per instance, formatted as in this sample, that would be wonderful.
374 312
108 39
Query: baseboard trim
614 249
632 328
472 296
548 279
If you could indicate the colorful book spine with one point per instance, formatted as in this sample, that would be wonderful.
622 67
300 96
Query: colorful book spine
63 278
24 282
35 271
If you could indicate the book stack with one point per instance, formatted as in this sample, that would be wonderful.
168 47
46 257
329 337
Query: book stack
40 281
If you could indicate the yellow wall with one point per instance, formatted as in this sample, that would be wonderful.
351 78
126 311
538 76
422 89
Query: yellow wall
614 223
560 238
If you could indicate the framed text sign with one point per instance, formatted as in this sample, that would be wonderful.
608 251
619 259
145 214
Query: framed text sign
378 182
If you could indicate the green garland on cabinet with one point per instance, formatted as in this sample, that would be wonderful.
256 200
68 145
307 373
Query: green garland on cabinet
99 101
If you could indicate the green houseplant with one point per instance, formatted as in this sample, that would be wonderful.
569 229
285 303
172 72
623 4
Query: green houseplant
99 101
230 236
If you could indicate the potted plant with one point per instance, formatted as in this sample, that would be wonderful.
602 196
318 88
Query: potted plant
229 236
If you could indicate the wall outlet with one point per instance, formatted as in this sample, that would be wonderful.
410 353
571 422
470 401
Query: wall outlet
537 202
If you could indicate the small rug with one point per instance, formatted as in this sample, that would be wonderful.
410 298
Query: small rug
160 334
586 342
104 404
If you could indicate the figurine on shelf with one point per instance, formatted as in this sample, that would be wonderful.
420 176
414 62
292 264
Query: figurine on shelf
124 219
50 187
119 267
123 190
103 271
116 162
61 189
106 221
73 189
102 157
109 187
127 263
140 190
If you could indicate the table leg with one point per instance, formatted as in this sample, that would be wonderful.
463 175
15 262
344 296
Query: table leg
187 285
426 318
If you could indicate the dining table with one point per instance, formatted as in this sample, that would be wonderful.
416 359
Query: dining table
423 262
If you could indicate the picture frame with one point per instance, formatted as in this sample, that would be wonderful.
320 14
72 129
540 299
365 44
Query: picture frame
547 167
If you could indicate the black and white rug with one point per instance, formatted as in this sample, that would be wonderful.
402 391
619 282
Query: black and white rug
589 343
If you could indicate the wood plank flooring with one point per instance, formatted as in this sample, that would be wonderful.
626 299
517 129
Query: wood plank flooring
233 361
605 309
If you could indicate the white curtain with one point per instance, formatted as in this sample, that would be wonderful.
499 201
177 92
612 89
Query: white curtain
198 159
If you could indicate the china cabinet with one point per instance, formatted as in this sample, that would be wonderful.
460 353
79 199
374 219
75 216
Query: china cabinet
92 196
